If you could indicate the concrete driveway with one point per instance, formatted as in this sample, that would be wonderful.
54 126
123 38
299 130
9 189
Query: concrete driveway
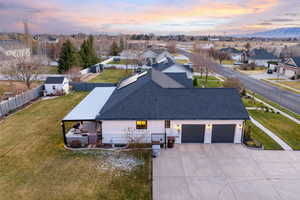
225 171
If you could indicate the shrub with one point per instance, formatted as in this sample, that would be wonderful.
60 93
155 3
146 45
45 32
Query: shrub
234 83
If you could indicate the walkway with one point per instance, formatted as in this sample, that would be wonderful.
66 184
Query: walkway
284 145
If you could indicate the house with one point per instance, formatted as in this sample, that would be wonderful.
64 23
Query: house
14 48
234 53
290 67
152 56
153 106
56 85
262 57
169 66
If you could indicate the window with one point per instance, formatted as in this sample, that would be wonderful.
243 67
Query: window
53 87
141 124
167 124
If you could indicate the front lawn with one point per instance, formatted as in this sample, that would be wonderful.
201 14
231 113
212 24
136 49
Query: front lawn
111 76
34 164
283 127
293 84
123 62
182 61
212 82
258 135
228 62
275 105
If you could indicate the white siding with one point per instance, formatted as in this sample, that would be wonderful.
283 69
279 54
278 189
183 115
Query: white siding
115 131
49 88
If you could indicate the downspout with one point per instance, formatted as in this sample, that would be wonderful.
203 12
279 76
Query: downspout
64 132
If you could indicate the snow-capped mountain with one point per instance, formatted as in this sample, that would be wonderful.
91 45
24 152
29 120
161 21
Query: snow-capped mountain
278 33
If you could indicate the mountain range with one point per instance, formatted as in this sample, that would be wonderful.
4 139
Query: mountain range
278 33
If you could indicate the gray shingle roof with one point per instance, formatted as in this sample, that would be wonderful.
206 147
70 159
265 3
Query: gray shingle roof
297 61
261 54
55 80
230 50
182 79
146 99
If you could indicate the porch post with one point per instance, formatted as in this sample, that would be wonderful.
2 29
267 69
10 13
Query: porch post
64 132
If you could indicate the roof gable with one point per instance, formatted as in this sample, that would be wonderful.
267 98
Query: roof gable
296 61
261 54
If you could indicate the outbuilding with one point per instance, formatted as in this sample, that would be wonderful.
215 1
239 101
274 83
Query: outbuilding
56 85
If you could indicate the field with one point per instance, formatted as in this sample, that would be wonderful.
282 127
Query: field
283 127
14 86
111 76
34 164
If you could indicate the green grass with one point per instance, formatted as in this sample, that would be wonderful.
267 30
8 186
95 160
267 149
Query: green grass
249 102
228 62
275 105
258 135
208 78
34 165
111 76
277 84
210 83
50 69
283 127
123 62
182 61
293 84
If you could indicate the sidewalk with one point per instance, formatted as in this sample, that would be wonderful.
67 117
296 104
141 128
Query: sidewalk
284 145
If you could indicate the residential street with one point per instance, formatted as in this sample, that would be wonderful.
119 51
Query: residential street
227 172
285 98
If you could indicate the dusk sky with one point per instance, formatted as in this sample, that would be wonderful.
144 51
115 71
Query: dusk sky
149 16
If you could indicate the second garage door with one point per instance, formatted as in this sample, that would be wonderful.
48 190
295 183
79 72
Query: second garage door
223 133
192 133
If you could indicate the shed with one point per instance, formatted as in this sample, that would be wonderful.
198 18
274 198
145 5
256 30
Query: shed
56 85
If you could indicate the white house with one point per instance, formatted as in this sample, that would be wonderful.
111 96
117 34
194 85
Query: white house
262 57
56 85
233 53
152 56
153 106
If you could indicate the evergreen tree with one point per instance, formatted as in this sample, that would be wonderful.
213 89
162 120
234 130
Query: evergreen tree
87 53
67 57
122 45
114 49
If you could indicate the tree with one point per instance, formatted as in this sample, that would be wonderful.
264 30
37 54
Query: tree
122 45
67 58
171 46
202 64
88 53
221 56
234 83
114 51
25 70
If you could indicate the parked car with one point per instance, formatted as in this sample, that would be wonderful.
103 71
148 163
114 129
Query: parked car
270 71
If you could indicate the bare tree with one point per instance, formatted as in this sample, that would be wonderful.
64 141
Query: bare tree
234 83
202 64
74 74
221 56
25 70
171 46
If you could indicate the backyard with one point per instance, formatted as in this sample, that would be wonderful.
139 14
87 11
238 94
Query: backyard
14 87
35 165
283 127
123 62
111 76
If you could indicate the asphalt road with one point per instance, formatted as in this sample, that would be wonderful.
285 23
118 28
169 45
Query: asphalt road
284 98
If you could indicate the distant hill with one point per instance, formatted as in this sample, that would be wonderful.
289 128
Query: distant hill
278 33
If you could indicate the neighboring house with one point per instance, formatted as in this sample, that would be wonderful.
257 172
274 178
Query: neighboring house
234 53
14 48
290 67
152 56
262 57
169 66
56 85
152 106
